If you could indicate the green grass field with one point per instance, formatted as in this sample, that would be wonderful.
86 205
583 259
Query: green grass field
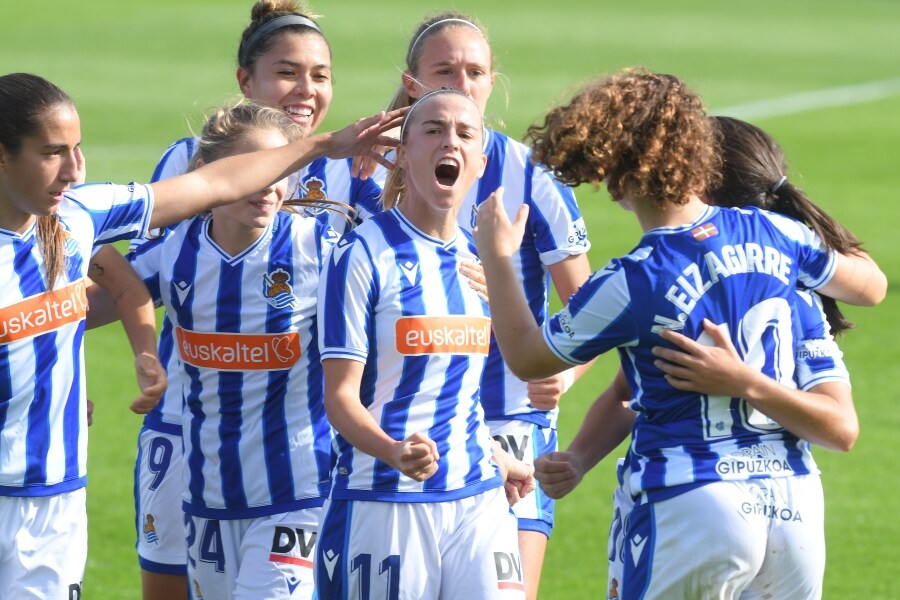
143 73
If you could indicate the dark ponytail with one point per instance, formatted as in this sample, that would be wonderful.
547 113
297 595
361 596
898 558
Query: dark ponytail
24 101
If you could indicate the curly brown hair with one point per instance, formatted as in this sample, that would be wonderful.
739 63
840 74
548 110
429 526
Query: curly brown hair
645 135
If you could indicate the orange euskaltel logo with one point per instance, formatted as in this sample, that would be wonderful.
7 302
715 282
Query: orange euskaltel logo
239 351
43 312
443 335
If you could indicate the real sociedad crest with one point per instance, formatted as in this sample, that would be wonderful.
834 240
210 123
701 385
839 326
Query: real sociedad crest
276 289
313 190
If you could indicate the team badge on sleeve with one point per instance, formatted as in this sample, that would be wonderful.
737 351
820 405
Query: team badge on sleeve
704 232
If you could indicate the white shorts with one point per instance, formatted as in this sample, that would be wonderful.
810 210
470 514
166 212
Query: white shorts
526 441
157 503
622 506
755 539
267 557
43 546
465 548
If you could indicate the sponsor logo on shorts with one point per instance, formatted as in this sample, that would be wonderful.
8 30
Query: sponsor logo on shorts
330 558
292 583
238 351
638 543
771 511
771 503
613 592
43 312
509 571
287 543
514 444
150 529
443 335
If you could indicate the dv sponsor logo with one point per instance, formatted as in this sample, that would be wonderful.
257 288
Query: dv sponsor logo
239 351
44 312
509 571
513 444
287 543
451 334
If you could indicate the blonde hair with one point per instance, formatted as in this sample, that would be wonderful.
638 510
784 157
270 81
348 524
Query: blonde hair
227 126
395 183
427 28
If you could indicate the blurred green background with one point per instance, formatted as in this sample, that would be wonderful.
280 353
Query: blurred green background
823 76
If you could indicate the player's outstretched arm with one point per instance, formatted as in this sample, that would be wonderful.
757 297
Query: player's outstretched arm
231 178
823 415
518 334
857 280
120 294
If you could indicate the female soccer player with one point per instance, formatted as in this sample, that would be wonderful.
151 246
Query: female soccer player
754 173
47 231
239 288
284 61
451 49
416 508
694 459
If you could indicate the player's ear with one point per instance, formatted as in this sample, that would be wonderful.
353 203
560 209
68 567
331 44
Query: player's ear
243 79
4 157
484 160
401 157
411 85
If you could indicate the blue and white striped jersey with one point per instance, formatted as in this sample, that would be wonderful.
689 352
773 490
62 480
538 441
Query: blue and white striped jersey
323 179
43 410
256 439
737 267
554 232
393 298
818 357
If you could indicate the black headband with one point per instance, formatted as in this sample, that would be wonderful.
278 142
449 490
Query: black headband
276 23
